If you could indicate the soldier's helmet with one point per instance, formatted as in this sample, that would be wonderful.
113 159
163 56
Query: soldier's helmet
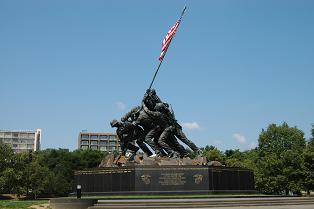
152 91
160 107
114 123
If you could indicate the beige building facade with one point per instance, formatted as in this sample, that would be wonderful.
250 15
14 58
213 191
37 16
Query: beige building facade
22 140
108 142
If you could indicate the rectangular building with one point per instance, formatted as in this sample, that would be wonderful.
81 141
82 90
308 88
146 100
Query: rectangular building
22 140
99 141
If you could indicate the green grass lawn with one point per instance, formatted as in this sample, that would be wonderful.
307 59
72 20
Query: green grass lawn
20 204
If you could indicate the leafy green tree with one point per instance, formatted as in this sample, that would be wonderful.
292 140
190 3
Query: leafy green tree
246 159
280 158
12 168
6 158
12 180
63 163
88 158
213 154
36 178
309 164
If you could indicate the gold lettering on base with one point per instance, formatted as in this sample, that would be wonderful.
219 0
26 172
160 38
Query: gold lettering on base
146 179
171 179
198 178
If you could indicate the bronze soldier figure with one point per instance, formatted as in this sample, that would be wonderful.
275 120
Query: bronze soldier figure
155 124
127 134
139 118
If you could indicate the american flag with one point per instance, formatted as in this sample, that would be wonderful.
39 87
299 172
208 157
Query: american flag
167 39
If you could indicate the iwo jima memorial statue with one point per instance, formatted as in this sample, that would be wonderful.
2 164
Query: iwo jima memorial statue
164 165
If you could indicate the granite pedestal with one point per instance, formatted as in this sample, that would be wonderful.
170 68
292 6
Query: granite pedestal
164 180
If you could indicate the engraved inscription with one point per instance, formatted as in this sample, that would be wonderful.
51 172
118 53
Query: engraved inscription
198 178
170 179
146 179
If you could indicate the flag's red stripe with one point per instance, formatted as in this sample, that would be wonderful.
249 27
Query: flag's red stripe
166 41
169 35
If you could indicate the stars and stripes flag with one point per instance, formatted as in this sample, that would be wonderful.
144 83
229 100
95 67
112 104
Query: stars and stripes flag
167 39
165 44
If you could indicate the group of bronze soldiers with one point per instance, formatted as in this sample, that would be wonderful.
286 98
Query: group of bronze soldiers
153 124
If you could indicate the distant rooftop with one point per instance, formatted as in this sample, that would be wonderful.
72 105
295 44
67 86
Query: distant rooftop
24 131
97 133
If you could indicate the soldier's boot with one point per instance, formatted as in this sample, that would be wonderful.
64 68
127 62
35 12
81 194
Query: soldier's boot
134 150
166 147
174 155
161 154
198 152
131 158
184 154
175 145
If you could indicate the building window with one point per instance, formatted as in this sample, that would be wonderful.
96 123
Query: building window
94 147
102 148
23 135
94 137
84 147
104 137
113 137
31 136
84 142
7 135
28 141
103 143
94 142
7 140
30 146
84 136
113 144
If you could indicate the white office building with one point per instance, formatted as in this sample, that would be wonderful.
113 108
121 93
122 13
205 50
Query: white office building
21 140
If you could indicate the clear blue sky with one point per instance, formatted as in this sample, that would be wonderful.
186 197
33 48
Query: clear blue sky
233 68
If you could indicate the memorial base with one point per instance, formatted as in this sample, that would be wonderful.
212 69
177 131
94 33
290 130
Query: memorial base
165 180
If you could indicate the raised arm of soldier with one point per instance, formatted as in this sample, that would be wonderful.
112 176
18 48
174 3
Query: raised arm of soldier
153 95
131 115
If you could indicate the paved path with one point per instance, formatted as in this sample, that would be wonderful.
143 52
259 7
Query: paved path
267 207
261 203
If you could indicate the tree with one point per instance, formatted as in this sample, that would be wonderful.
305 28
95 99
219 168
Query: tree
280 158
246 159
36 178
213 154
309 164
63 163
6 157
11 171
